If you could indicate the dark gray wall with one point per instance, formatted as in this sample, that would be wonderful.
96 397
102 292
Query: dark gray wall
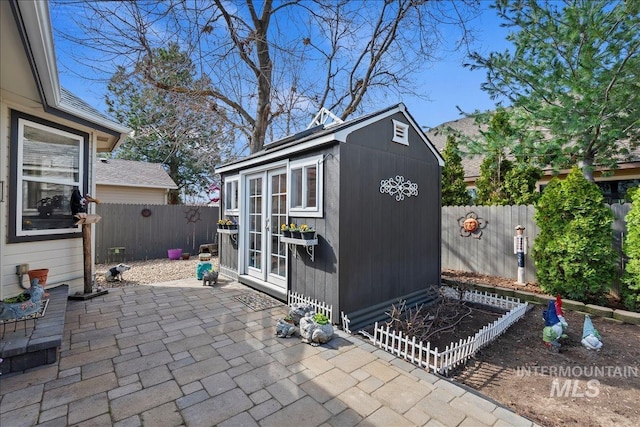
228 251
319 279
388 248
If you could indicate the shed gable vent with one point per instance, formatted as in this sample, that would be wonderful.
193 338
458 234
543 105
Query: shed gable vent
400 132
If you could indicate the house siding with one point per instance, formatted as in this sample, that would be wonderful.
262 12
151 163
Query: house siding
63 257
131 195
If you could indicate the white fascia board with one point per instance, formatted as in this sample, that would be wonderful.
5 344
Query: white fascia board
424 138
325 139
339 136
37 23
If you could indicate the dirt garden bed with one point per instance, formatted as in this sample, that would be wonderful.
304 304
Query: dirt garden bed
575 387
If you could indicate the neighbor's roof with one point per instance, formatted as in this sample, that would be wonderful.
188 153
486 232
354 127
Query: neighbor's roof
321 135
471 165
130 173
465 126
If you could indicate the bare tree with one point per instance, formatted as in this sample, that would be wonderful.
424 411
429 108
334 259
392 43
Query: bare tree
272 64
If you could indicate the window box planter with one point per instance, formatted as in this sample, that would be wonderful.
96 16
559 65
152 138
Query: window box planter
309 245
233 233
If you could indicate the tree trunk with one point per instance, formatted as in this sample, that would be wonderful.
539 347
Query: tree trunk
586 165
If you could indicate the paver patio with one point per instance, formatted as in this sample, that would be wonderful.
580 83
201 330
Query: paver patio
177 353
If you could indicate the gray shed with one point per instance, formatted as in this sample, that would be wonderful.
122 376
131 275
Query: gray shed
370 187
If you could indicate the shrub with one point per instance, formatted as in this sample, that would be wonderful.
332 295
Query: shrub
631 292
573 252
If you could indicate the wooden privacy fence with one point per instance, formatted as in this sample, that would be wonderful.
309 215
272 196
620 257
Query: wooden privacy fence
454 354
492 253
141 232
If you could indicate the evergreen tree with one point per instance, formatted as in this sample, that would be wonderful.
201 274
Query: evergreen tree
574 71
454 189
631 291
490 184
520 185
573 252
180 131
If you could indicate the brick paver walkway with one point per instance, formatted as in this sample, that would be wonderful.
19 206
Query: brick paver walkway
178 354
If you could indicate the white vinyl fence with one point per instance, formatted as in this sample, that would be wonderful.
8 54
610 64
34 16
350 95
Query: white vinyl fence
319 306
454 354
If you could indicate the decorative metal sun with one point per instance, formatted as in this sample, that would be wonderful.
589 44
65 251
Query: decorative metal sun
192 214
471 225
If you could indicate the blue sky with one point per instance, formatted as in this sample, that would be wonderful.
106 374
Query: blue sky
447 83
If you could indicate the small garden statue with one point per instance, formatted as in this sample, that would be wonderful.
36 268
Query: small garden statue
590 335
315 329
299 310
520 243
285 327
555 324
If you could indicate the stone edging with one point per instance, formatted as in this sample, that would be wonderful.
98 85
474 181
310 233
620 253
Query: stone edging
596 310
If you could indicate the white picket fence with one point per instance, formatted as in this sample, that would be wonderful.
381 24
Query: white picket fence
319 306
454 354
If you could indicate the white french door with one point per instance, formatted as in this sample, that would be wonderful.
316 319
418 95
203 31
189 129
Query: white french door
266 257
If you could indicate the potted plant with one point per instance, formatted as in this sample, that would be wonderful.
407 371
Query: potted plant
222 223
231 224
295 231
40 274
307 233
284 229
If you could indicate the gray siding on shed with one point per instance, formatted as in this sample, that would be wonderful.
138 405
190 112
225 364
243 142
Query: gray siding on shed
388 248
319 279
372 249
228 252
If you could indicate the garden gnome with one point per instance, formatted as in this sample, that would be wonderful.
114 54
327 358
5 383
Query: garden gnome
590 335
520 243
554 324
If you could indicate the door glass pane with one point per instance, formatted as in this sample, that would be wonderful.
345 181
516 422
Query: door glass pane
278 251
255 223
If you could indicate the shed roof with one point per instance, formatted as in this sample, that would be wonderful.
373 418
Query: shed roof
322 135
131 173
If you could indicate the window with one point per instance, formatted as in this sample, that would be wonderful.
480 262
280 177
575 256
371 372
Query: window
48 162
305 197
400 132
231 196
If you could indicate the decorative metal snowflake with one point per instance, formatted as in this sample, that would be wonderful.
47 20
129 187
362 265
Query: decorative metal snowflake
192 214
472 225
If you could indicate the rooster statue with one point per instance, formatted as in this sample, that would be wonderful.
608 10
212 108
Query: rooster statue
555 324
590 335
